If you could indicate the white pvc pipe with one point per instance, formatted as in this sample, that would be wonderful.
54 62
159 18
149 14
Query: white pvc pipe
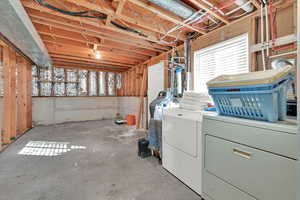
262 36
238 8
283 54
186 21
267 30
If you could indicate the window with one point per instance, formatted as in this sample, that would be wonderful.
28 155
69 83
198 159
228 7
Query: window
93 84
102 83
228 57
72 82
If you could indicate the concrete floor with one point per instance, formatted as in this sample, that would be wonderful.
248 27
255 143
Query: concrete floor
108 169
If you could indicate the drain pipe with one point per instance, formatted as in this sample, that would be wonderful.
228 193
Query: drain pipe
262 36
188 60
267 29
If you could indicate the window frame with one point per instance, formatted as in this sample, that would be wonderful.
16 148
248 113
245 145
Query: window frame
215 46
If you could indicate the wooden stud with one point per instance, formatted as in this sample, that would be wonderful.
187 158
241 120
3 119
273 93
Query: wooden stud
28 73
21 96
7 95
142 96
10 125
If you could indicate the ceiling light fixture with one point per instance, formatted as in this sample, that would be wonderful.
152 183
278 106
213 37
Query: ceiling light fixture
97 53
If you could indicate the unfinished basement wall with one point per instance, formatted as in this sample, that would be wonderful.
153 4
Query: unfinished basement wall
55 110
52 110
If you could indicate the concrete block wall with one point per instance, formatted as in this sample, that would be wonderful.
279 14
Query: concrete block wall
51 110
130 105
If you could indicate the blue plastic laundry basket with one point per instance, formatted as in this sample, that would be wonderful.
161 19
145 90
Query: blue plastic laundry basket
261 102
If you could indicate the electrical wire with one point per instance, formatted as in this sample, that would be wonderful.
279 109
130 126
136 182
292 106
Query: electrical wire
89 14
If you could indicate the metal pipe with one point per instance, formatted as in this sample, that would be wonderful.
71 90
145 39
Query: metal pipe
188 60
176 7
267 29
186 21
262 36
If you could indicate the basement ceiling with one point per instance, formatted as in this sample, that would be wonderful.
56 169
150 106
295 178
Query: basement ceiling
126 32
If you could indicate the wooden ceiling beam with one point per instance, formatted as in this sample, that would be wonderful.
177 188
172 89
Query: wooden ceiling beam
120 7
96 32
85 66
106 42
97 23
163 14
151 37
74 64
102 44
255 3
93 33
118 15
79 58
74 43
201 5
61 43
89 55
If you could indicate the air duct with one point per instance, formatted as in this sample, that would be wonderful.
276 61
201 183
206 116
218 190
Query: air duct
176 7
17 27
245 5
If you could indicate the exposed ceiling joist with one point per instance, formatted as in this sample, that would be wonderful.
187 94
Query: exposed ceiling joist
103 51
75 43
255 3
118 14
93 33
163 14
78 58
103 44
88 55
96 23
120 7
85 58
73 38
75 64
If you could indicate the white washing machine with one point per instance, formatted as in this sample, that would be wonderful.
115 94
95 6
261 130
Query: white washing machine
182 146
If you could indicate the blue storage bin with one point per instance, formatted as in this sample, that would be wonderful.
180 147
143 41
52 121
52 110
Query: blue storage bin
261 102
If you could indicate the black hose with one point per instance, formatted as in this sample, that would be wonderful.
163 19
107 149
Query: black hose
85 14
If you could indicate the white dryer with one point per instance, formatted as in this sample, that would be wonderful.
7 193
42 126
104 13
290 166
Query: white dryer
182 145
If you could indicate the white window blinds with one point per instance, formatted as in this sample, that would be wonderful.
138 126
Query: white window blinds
228 57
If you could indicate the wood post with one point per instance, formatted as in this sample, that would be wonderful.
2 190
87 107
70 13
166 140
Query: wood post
9 64
21 96
142 95
28 94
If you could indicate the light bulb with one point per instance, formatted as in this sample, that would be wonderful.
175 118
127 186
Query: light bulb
97 55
